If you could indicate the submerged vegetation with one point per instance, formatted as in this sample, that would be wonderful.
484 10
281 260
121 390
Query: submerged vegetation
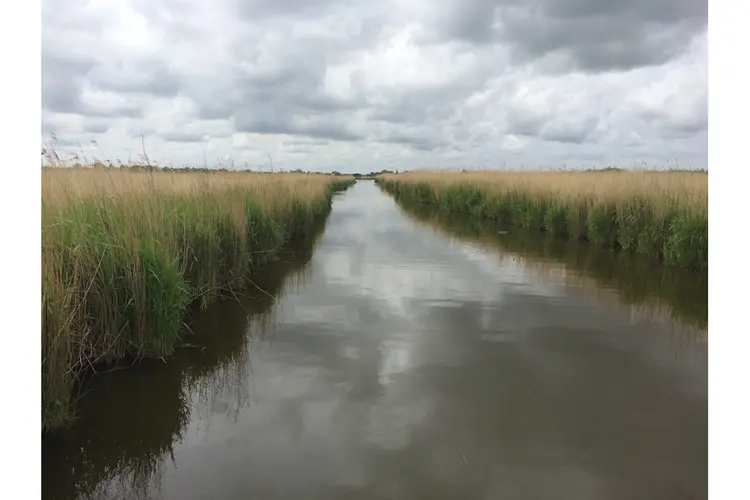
126 253
661 214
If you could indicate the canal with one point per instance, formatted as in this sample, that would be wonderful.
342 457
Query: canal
403 354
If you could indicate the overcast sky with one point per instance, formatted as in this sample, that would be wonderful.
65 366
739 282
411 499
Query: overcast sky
359 85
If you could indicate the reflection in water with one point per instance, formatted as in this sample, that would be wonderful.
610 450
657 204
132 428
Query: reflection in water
408 365
130 418
647 287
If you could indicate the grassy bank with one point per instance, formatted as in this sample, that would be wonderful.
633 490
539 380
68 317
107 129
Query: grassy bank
643 287
88 460
662 214
125 254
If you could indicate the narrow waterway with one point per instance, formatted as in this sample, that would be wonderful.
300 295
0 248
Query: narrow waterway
404 356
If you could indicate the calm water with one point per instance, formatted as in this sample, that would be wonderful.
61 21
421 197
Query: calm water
410 355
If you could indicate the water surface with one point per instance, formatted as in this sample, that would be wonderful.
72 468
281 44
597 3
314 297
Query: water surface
412 355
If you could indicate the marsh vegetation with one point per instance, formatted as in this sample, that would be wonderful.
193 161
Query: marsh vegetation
125 253
661 214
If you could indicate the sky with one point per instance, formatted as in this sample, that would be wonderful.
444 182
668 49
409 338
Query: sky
358 85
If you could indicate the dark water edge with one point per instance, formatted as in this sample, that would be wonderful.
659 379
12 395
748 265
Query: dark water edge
149 404
638 280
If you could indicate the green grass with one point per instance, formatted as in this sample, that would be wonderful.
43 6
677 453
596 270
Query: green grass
638 279
150 407
675 233
124 255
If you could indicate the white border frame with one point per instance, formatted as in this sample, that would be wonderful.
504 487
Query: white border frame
20 43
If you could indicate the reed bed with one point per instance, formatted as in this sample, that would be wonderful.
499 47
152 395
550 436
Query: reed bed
126 253
87 460
662 214
675 297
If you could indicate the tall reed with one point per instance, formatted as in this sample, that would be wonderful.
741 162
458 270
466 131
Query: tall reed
674 296
663 214
124 254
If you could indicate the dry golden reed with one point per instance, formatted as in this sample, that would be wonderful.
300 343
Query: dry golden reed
124 253
662 189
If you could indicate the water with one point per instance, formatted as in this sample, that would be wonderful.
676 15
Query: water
410 355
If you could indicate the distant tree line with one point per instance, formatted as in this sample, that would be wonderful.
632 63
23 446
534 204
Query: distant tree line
370 175
143 167
670 169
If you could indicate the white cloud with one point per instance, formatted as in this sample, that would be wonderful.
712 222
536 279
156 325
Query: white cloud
379 85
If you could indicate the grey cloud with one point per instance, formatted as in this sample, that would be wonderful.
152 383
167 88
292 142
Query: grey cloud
680 121
52 125
48 129
141 131
68 142
558 121
291 86
664 11
329 131
253 9
305 142
467 20
287 98
221 107
272 100
150 77
62 80
248 121
567 131
402 115
96 127
418 142
681 114
676 127
417 107
129 110
260 124
353 25
62 88
70 62
598 44
264 67
394 115
524 122
356 24
182 136
595 35
687 127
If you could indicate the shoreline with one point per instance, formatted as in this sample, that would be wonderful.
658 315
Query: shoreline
122 270
676 236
